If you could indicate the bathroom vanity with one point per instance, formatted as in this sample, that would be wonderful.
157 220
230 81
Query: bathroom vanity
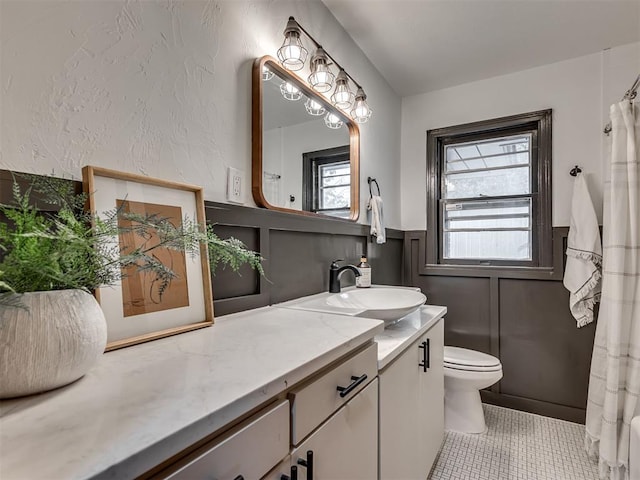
258 393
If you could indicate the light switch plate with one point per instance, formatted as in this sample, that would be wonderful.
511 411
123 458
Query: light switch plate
235 185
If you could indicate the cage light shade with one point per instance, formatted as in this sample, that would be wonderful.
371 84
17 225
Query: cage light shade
342 96
314 108
292 53
266 73
332 121
361 111
290 92
321 78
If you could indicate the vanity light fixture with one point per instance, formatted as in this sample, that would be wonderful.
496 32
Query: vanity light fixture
314 108
290 92
292 55
342 96
332 121
267 74
361 111
321 78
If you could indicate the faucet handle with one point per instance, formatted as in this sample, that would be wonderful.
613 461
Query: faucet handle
334 264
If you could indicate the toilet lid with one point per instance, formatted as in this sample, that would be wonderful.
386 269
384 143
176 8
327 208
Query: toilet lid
463 357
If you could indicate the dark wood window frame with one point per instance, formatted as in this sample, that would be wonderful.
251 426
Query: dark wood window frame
539 122
310 163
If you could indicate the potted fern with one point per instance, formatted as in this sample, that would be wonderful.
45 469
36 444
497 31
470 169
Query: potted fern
52 330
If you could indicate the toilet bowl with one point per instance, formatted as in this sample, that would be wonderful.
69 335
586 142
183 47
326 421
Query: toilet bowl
466 372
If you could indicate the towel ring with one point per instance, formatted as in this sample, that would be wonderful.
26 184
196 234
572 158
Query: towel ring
370 181
575 171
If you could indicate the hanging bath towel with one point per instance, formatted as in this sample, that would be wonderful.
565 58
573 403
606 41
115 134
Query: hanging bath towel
377 223
584 255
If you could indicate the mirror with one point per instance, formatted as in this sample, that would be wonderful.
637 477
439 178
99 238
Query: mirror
305 151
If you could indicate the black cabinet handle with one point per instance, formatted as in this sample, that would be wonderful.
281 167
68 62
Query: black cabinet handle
308 463
355 381
239 477
426 355
294 474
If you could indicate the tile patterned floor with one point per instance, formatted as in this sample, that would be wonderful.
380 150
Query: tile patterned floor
517 446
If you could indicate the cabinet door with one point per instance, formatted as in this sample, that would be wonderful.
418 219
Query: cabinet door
346 445
412 409
431 413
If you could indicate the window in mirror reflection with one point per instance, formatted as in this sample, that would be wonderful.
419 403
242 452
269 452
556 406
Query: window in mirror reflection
327 181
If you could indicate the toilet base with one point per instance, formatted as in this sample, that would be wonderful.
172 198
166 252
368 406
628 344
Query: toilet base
463 411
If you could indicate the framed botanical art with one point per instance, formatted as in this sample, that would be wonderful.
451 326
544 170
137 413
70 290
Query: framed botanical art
139 308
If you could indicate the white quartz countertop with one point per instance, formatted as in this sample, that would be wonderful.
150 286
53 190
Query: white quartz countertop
140 405
397 337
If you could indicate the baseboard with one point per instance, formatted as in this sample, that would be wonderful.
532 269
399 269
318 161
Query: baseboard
563 412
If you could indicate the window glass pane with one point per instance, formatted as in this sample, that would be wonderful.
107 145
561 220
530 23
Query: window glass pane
488 245
335 197
493 153
335 169
508 213
336 180
489 183
518 143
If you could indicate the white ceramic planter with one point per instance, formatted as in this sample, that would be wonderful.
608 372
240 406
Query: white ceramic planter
53 342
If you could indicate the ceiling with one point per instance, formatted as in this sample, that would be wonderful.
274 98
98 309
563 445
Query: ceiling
424 45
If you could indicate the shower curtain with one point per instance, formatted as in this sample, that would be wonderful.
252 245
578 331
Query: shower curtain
614 383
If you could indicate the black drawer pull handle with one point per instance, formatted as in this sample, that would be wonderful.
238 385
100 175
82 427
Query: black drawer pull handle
307 463
239 477
426 355
294 474
355 381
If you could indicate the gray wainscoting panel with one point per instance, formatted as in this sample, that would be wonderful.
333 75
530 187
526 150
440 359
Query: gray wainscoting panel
246 281
300 261
544 356
467 323
386 262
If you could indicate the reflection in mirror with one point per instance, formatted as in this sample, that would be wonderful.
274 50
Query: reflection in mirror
305 151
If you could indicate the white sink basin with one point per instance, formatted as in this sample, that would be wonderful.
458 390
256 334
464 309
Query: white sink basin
384 303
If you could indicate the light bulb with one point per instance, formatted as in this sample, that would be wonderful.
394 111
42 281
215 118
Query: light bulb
332 121
321 78
290 92
266 74
292 53
342 96
361 111
314 108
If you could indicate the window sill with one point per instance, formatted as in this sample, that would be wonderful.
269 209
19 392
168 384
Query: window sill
492 271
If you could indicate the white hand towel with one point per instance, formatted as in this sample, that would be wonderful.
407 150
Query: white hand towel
584 255
377 223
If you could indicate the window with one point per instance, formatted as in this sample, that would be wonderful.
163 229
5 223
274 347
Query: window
489 199
327 182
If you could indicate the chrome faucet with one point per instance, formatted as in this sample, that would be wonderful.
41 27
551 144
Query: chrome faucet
336 271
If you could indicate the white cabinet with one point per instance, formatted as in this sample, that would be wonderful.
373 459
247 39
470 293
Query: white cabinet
412 408
248 452
346 445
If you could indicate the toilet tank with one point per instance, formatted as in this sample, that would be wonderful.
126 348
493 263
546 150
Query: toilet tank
634 450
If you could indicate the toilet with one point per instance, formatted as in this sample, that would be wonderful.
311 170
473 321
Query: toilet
466 372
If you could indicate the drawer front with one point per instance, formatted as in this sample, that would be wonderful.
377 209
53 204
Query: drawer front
345 447
314 402
251 451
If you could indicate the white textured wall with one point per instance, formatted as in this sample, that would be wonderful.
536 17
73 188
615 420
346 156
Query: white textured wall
578 90
162 88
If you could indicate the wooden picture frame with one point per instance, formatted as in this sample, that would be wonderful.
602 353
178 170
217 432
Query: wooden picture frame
134 313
